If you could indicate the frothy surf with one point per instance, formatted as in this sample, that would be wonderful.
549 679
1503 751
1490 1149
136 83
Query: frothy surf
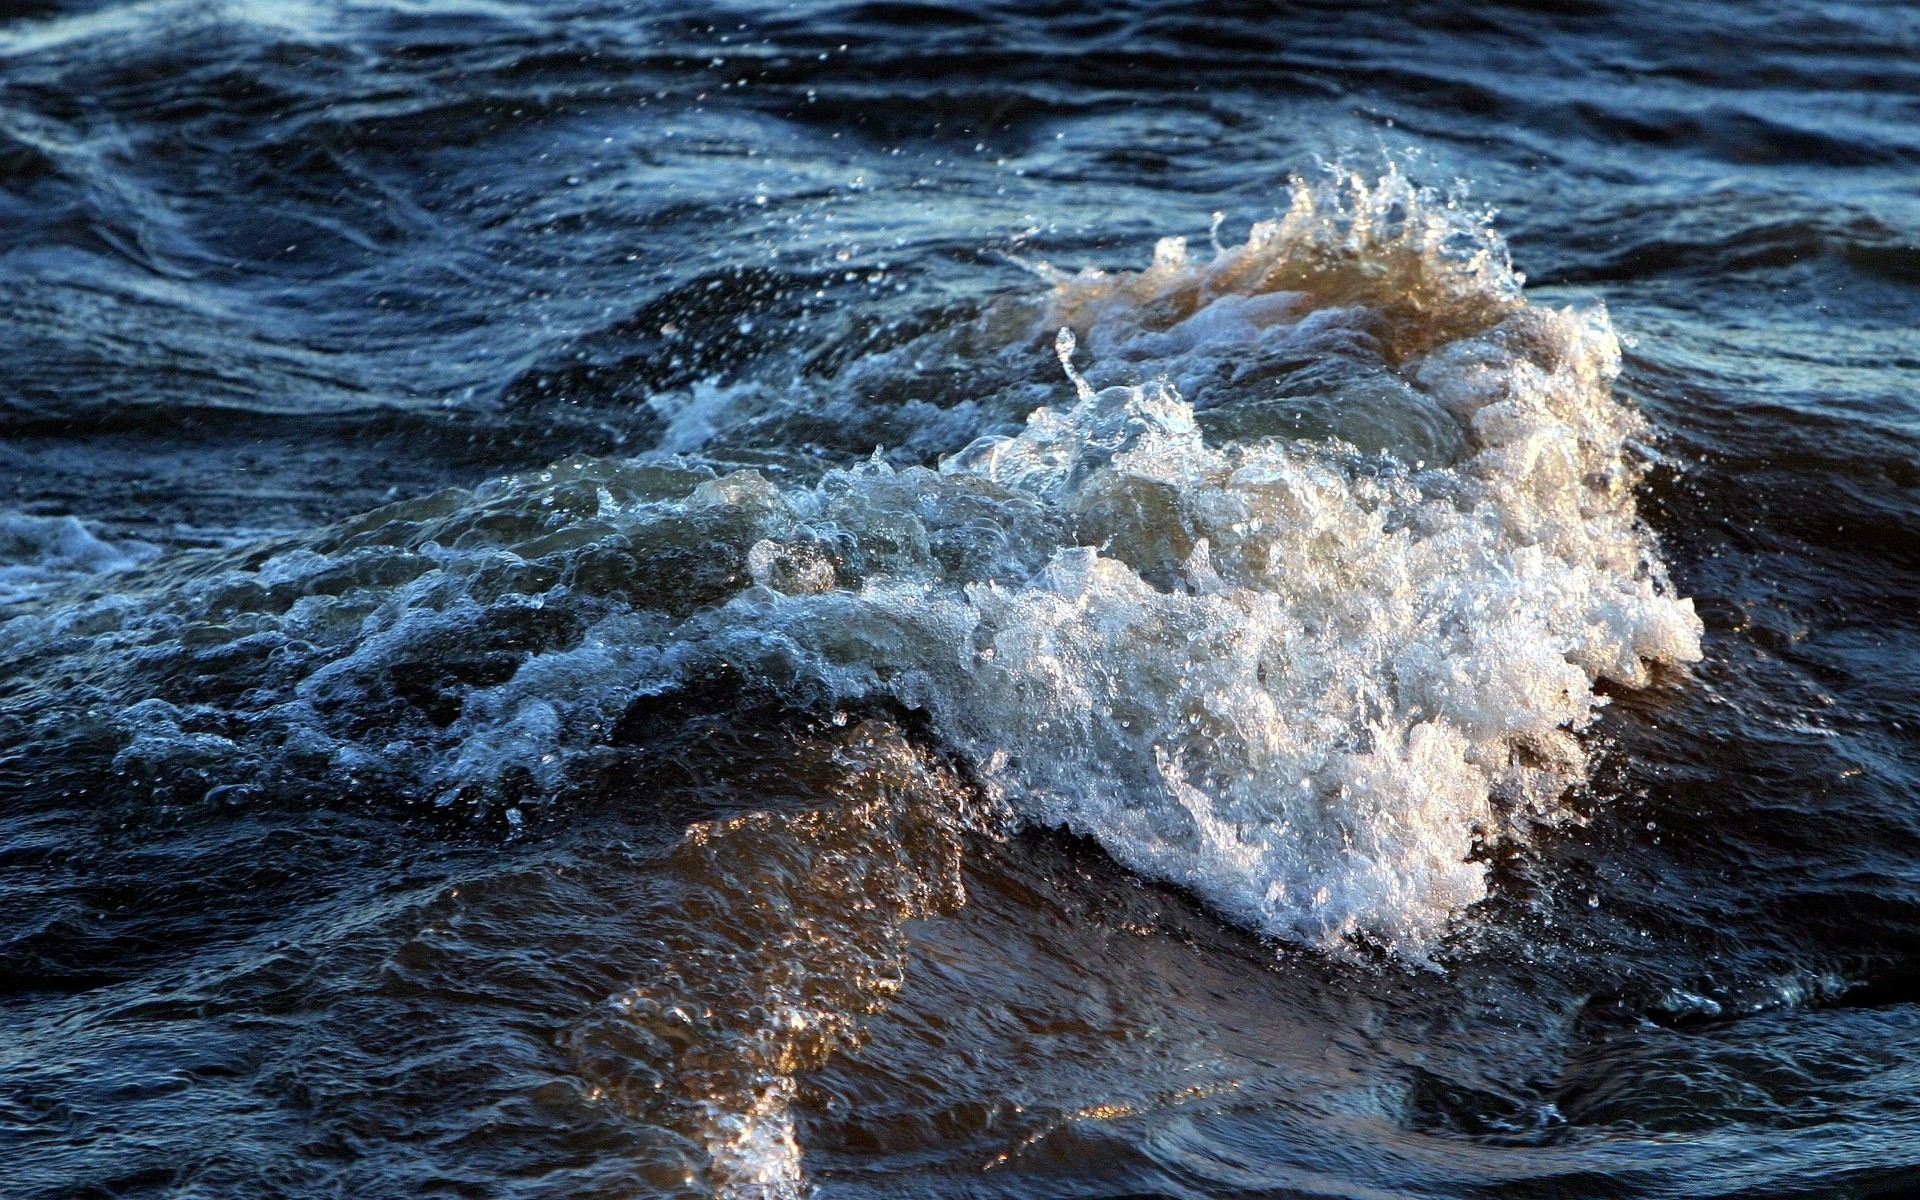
1299 680
1297 676
41 554
1306 591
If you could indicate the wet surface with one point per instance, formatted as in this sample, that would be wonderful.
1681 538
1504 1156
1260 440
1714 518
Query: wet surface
364 850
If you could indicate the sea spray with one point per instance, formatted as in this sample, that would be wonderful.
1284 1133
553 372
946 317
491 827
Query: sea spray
1298 675
1304 591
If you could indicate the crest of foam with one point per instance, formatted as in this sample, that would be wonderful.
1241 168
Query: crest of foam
1426 268
1298 680
1291 679
1296 677
38 554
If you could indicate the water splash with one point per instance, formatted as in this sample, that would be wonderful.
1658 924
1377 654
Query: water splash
1300 676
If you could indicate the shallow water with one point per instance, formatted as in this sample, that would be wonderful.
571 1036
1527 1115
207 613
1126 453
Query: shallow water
574 625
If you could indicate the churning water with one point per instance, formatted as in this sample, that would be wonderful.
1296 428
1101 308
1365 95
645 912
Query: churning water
895 599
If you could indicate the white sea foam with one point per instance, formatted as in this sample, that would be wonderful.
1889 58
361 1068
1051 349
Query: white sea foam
39 553
1299 676
1295 678
1309 589
1289 677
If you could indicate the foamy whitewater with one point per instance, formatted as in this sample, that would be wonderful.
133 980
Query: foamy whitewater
39 554
1300 680
1310 679
1304 679
942 599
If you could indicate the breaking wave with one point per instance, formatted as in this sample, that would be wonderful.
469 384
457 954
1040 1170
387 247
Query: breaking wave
40 554
1306 600
1301 598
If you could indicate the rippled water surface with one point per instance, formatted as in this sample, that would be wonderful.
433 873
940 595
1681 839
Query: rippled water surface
751 601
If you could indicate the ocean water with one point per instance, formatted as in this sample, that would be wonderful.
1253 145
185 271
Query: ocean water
903 599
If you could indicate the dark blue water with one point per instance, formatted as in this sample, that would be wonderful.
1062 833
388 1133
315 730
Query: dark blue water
519 675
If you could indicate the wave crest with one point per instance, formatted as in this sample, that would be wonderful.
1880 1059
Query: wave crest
1298 675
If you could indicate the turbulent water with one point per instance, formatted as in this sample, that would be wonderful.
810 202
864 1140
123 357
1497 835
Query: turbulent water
896 599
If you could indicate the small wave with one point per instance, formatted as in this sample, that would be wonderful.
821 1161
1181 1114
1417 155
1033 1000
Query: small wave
1295 675
38 554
